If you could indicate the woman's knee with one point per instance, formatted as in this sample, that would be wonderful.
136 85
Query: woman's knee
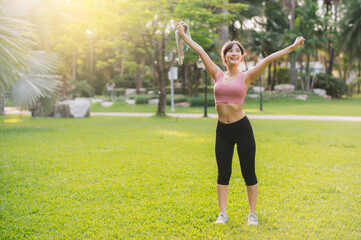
223 178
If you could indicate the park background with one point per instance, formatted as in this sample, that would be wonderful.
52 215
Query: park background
107 177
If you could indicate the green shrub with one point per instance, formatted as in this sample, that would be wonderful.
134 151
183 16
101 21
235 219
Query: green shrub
143 99
355 84
283 75
334 87
119 91
82 88
199 100
177 99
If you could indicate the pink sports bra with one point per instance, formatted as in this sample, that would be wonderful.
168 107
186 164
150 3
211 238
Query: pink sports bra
230 93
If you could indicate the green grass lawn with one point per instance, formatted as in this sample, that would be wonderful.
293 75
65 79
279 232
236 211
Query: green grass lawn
315 105
155 178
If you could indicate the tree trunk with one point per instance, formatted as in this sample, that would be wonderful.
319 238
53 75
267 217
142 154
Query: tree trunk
154 77
293 73
332 52
189 80
307 79
74 65
162 94
163 74
269 82
142 73
2 104
359 75
138 83
224 28
196 81
329 69
183 77
274 81
122 67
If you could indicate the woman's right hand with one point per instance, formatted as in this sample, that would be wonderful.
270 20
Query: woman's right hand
180 29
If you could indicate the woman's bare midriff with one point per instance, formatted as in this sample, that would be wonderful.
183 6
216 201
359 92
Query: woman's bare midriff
229 112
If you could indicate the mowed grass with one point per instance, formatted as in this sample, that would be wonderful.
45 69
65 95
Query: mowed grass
315 105
155 178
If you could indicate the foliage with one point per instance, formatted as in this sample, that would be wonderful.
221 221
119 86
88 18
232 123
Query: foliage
314 105
151 178
355 84
350 30
143 99
199 101
177 99
14 49
82 88
334 87
283 75
28 74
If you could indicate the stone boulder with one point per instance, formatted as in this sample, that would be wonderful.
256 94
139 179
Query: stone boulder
302 97
254 96
258 89
72 109
320 92
130 101
107 104
153 101
130 91
183 104
285 88
142 91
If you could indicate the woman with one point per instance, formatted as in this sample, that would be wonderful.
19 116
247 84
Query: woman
233 125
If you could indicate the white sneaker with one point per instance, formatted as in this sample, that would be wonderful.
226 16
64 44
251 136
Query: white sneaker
222 218
252 219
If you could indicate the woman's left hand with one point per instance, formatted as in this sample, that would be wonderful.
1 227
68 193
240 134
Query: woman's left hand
299 42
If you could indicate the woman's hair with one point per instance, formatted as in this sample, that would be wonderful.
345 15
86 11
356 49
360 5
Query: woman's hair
227 46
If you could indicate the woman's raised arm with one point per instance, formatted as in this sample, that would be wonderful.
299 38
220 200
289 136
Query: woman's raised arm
255 72
211 67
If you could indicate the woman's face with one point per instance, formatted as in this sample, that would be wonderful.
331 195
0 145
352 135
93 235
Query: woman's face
234 55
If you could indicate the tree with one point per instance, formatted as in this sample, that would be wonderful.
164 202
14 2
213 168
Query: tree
291 6
150 26
309 25
350 33
28 74
276 26
331 46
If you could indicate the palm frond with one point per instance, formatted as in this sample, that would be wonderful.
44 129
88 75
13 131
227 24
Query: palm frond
39 81
29 88
19 8
16 37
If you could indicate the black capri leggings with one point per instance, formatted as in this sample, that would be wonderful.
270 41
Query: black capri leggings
239 132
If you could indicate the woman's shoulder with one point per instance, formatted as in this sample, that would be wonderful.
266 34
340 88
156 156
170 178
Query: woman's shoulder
219 75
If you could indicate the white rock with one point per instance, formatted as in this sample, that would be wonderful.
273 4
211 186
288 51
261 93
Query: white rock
183 104
82 98
107 104
285 88
96 100
258 89
320 91
130 91
72 109
302 97
150 92
130 101
253 95
142 90
153 101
